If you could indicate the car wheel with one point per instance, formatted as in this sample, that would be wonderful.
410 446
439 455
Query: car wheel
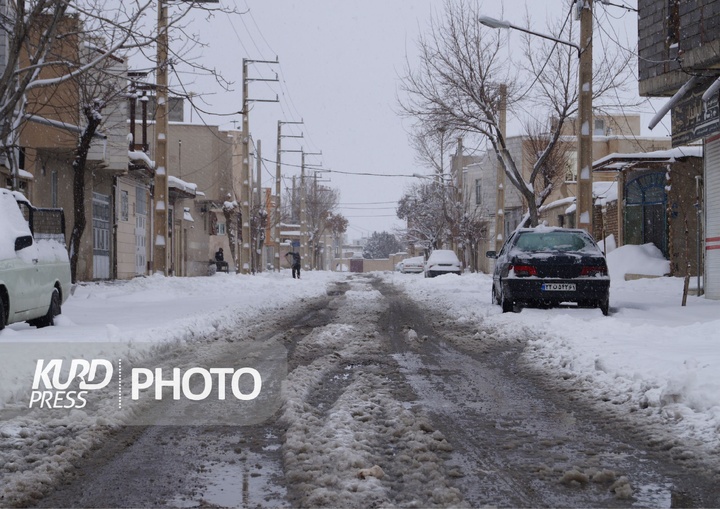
2 315
53 311
604 306
495 299
507 305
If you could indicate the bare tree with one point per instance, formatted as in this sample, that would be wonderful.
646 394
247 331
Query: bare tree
321 202
423 207
553 170
457 85
431 143
77 50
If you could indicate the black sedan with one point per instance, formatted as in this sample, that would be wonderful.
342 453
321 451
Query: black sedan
547 266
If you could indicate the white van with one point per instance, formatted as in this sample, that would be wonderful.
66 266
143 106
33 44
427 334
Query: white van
34 264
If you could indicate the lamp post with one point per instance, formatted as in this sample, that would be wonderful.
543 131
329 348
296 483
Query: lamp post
584 202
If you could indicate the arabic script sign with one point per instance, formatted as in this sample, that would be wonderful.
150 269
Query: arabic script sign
694 119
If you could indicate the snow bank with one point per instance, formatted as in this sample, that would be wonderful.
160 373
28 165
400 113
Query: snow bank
651 359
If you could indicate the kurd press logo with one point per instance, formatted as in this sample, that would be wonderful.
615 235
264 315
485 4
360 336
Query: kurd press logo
195 384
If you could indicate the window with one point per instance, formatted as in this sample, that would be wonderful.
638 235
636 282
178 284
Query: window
571 166
140 201
599 127
478 191
124 206
221 228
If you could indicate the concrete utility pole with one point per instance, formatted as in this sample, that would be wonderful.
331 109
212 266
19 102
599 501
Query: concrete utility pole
160 180
278 189
160 196
245 177
257 266
303 213
500 179
584 199
303 210
278 180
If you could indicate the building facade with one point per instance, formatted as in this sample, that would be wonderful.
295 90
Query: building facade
679 58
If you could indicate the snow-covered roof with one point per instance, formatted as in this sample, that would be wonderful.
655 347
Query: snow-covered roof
139 155
605 192
618 161
187 188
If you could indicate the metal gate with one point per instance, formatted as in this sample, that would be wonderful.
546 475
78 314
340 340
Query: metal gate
712 218
645 211
101 236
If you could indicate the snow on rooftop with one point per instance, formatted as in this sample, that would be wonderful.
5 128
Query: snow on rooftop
139 155
182 185
669 156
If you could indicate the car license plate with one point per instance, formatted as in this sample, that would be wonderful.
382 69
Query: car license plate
558 287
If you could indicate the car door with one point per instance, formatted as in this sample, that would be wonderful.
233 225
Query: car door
19 274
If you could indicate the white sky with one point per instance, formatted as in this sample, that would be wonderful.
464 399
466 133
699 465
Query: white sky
339 71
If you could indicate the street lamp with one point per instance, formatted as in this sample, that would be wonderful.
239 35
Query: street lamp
584 202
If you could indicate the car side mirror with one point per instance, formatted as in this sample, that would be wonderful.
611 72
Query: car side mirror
22 242
490 254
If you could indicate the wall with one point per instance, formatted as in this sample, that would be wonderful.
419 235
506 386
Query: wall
698 46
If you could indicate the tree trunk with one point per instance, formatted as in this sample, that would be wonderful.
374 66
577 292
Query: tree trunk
79 166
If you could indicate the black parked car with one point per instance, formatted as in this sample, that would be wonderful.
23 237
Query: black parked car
546 266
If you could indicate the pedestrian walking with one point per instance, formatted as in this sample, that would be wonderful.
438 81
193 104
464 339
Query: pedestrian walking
295 263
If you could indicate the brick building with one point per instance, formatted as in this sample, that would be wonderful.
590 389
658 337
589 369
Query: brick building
679 58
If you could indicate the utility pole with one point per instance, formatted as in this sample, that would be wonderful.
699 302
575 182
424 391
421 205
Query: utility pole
303 213
245 177
257 266
500 187
278 190
584 199
303 209
160 193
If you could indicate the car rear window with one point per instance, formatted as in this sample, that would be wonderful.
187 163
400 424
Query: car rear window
552 241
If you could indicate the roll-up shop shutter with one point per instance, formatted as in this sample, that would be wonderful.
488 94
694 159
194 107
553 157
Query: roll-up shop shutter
712 217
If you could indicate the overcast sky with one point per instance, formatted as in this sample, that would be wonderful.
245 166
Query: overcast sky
339 71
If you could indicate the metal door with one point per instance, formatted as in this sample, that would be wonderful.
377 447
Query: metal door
140 231
101 236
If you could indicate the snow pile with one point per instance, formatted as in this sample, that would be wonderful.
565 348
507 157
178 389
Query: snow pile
159 311
646 260
651 359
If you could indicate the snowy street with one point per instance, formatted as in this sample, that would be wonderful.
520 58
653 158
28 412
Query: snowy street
400 391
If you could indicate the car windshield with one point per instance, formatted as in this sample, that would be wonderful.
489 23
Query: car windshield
551 241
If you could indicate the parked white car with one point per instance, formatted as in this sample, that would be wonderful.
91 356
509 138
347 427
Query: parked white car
414 265
442 261
34 264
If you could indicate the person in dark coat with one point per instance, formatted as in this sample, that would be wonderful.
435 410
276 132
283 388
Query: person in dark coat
295 263
220 262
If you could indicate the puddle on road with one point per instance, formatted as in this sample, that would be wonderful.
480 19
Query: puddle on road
250 483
